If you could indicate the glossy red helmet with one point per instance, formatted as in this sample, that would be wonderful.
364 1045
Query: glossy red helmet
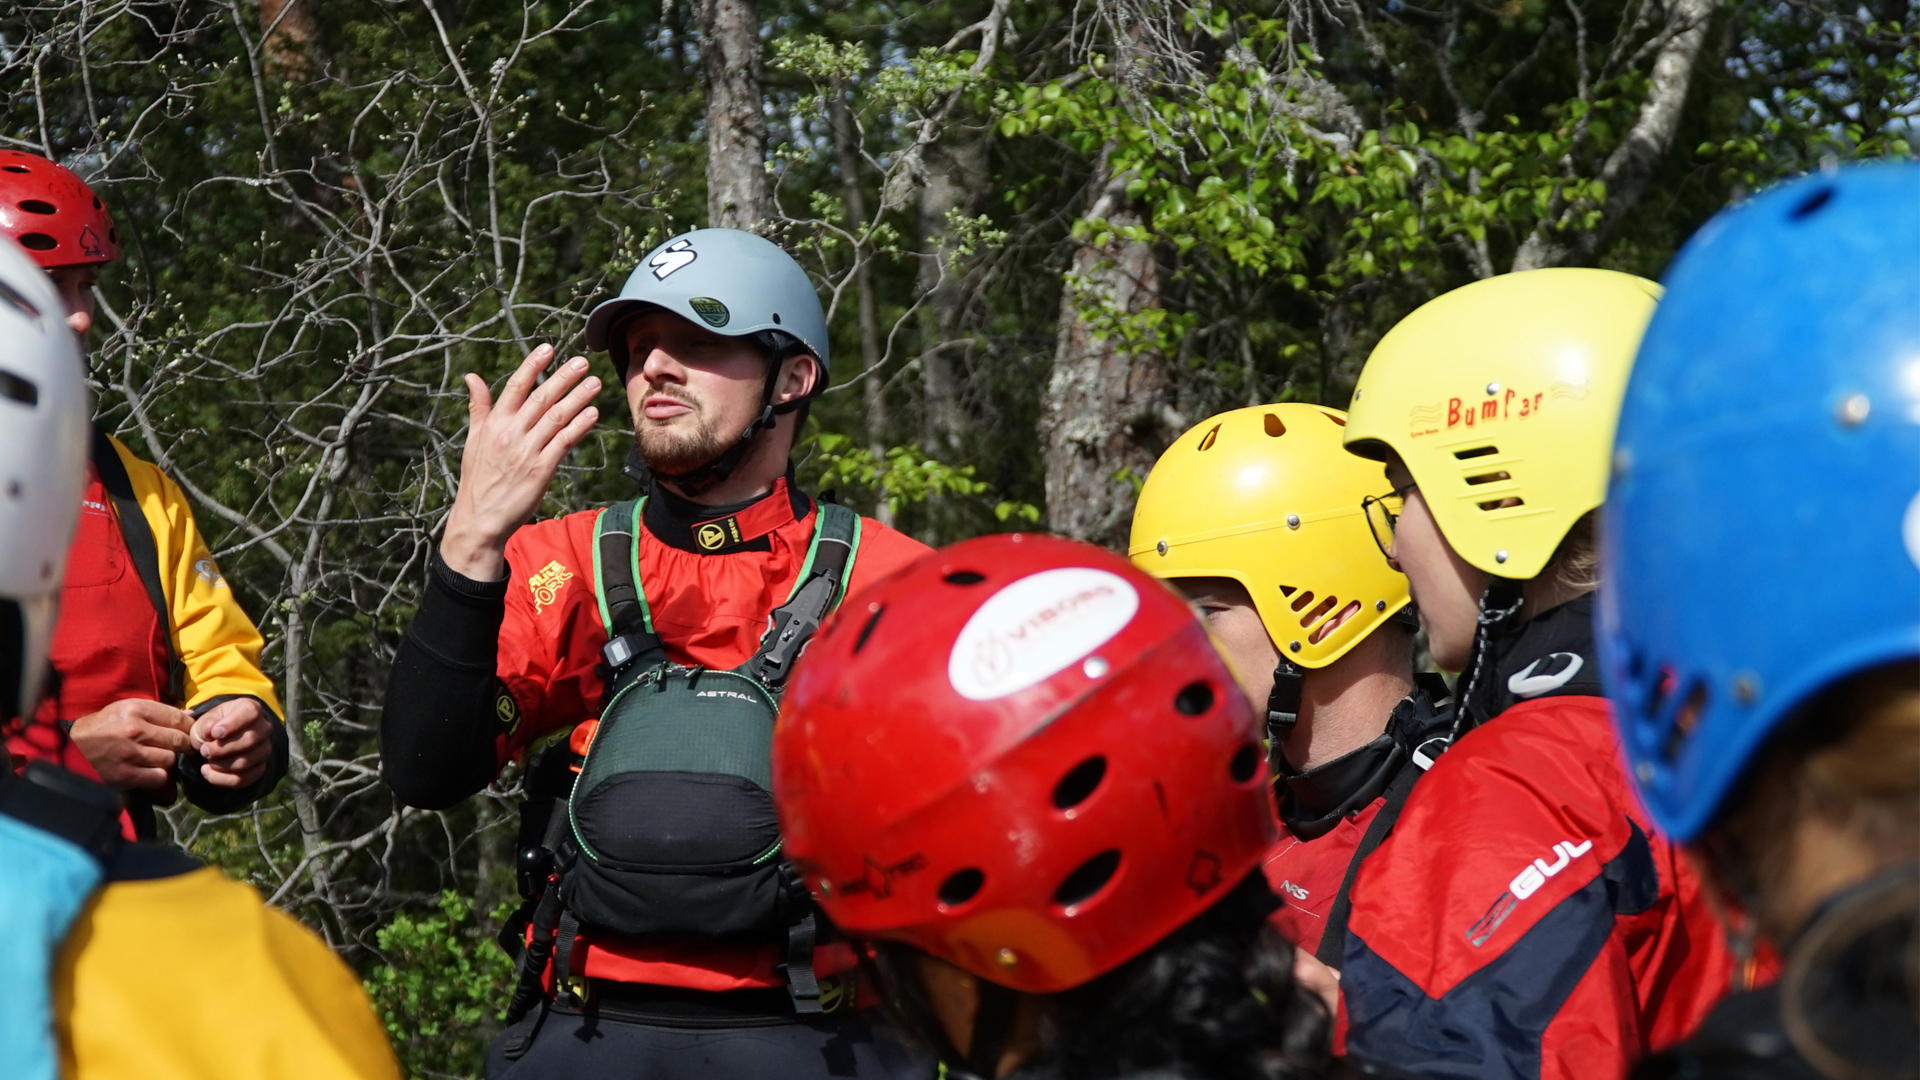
1023 756
52 213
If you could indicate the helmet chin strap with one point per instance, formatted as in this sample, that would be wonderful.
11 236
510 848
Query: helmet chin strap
1283 706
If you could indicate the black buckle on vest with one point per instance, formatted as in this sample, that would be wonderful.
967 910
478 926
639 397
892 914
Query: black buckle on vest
620 652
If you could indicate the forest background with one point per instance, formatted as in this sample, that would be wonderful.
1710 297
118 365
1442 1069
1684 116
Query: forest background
1051 235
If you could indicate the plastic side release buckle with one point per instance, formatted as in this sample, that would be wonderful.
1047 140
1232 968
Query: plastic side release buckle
619 652
1424 760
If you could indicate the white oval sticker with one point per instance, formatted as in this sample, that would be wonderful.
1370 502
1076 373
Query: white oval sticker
1036 627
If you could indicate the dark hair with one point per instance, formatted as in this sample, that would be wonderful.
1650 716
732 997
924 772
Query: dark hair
1214 999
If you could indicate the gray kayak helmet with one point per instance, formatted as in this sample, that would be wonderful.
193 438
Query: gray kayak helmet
726 280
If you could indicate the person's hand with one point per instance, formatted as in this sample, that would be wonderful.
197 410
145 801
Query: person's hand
236 739
132 743
1317 978
514 448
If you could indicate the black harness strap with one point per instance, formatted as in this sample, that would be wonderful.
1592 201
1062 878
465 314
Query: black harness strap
792 624
138 535
1333 939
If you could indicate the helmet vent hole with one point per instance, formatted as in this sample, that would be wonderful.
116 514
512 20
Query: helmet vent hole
964 577
1320 632
1300 602
776 318
1275 428
1503 504
1246 762
1193 699
18 389
1811 205
37 241
1338 421
866 631
961 886
1087 879
26 307
1489 478
1685 718
16 168
1206 441
1081 781
1287 590
1319 611
1478 451
38 206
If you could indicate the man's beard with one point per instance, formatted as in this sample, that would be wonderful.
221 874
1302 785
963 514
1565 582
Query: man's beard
678 450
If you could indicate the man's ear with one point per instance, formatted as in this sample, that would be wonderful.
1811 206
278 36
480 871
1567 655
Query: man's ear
798 376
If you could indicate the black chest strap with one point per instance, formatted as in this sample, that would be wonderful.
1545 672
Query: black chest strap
141 548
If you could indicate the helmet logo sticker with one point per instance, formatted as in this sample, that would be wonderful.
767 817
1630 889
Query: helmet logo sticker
877 881
671 258
1910 530
1037 627
1203 873
1530 681
1498 403
711 311
91 245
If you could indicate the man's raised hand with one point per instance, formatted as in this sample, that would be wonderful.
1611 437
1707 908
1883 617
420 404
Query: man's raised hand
514 449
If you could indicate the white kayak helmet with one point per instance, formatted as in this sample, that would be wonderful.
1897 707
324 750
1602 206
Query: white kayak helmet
43 469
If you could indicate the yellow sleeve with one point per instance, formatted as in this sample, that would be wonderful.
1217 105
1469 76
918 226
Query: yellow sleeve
216 642
194 978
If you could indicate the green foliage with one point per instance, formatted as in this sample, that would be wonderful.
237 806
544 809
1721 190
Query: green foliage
443 988
901 476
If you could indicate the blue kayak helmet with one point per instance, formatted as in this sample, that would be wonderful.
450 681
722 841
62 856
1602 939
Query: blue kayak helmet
1762 532
735 284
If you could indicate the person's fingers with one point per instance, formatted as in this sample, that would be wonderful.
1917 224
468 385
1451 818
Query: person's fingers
240 742
171 740
524 378
227 719
233 773
562 412
564 380
479 398
569 437
157 713
147 756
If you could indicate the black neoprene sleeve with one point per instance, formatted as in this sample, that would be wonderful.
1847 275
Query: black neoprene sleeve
437 732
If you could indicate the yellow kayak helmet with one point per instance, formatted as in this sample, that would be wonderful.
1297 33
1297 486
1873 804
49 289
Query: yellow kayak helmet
1267 497
1501 397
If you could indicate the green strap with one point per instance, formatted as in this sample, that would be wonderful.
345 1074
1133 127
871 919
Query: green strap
628 552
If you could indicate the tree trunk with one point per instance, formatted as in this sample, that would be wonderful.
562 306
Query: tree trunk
956 180
292 41
847 159
1633 163
739 194
1109 411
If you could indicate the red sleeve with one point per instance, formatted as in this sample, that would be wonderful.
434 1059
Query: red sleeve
1520 922
551 638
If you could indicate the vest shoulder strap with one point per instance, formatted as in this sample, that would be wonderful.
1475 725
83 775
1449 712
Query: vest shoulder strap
616 581
141 548
818 589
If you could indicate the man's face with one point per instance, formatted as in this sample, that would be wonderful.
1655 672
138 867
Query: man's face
1445 587
692 392
76 288
1223 604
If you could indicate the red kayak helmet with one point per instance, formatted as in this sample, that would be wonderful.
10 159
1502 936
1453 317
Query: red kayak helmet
1020 755
52 213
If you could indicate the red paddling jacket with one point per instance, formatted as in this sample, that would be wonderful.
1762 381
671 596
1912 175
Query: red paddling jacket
1524 919
489 668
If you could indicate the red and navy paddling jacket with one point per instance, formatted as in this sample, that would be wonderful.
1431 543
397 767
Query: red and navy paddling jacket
1524 920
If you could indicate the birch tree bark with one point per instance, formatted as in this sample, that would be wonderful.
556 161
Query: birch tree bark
956 181
739 193
1634 162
